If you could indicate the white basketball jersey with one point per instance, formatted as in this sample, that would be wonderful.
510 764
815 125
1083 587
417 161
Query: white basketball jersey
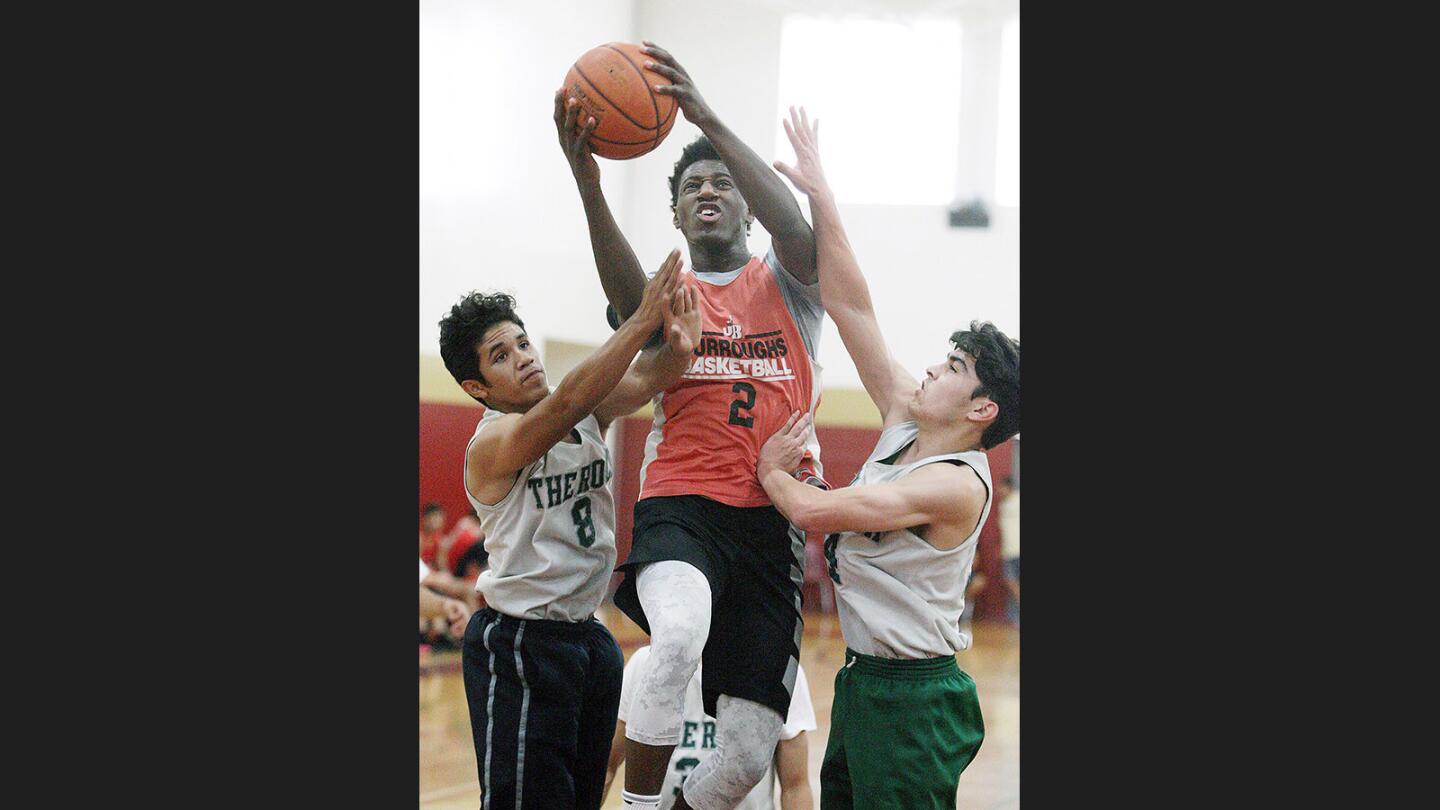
897 595
551 539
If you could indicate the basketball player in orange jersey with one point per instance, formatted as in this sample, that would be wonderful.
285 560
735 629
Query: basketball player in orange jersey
714 570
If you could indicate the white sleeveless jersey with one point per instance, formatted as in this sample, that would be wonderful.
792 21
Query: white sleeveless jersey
898 596
551 539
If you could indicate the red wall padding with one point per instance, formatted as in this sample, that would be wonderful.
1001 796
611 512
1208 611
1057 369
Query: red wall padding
445 430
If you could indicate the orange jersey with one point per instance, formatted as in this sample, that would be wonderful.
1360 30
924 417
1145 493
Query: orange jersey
750 372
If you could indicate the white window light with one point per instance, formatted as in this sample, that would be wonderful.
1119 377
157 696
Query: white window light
887 94
1007 128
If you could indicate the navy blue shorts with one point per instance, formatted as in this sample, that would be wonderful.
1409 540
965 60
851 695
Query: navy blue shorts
544 696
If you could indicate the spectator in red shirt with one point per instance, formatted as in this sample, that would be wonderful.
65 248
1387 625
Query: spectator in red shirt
463 549
432 528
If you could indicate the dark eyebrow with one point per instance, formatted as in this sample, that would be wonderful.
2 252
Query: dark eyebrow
500 343
715 176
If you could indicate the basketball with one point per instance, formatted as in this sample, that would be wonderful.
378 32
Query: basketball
612 85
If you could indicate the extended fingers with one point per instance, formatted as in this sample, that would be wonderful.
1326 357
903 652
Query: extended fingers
798 135
668 271
668 72
794 415
659 53
803 130
684 299
798 429
572 109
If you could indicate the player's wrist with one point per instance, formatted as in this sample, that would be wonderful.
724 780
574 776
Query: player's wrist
589 184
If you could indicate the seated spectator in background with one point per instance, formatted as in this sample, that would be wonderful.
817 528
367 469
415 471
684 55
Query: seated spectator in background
1010 542
463 549
433 630
451 614
432 528
697 742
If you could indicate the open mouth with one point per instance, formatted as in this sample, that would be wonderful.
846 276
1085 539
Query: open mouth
707 212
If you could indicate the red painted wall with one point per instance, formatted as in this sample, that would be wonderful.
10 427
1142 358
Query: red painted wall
445 430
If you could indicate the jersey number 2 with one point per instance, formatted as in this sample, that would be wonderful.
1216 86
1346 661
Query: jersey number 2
584 524
746 403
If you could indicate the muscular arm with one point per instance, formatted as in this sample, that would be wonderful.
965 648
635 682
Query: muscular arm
792 768
657 370
934 494
843 289
763 190
520 438
620 273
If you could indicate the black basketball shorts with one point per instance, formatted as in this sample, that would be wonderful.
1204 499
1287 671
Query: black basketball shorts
755 564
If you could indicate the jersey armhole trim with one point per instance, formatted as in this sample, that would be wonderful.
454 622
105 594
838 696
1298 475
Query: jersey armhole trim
509 493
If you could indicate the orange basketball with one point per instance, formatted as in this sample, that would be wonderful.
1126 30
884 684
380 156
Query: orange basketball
612 84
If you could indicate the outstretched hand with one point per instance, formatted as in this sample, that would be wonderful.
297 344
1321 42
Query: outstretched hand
786 448
576 142
807 174
682 320
657 300
681 87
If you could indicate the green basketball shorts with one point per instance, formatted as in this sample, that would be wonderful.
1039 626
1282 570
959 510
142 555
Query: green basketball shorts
900 734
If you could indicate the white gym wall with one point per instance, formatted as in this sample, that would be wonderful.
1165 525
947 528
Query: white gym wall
498 207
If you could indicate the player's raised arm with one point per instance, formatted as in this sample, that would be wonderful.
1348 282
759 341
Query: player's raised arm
620 274
518 439
763 190
657 369
843 289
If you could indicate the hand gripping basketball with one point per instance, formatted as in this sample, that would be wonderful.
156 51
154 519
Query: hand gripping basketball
575 139
681 87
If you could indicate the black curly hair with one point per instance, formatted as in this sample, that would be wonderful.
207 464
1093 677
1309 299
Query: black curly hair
698 149
462 330
997 364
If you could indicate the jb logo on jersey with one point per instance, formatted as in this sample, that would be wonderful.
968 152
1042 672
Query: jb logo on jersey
732 330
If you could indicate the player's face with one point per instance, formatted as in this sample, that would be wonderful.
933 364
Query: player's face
944 393
514 376
708 206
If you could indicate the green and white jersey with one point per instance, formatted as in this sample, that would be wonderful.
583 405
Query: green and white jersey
551 539
697 735
897 595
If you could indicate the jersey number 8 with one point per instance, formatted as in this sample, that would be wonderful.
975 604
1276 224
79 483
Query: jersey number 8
584 524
